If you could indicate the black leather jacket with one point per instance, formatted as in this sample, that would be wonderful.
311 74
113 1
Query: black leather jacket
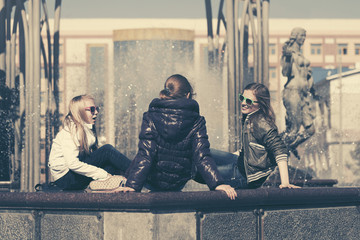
173 145
262 146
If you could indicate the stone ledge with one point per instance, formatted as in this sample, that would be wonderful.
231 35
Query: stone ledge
187 201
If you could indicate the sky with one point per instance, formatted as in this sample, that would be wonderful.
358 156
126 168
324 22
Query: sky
196 8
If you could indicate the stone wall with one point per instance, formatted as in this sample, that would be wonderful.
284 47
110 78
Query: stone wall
307 213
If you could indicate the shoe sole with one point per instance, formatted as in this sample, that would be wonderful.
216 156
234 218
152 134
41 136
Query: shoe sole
116 190
109 184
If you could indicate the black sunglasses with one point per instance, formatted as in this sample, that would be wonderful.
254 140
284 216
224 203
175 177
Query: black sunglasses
92 109
248 101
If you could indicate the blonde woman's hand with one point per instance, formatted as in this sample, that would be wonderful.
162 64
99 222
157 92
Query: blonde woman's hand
288 186
103 179
230 191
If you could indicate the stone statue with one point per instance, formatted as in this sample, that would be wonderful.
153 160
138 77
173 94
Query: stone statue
298 93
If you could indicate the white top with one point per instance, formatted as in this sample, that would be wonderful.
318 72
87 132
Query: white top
64 155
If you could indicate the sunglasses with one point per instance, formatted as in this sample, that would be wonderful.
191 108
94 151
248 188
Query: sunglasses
92 109
248 101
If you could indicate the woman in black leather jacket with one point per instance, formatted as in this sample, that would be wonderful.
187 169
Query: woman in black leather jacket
173 144
261 147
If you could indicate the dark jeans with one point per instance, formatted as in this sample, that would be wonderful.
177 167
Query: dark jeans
106 157
227 164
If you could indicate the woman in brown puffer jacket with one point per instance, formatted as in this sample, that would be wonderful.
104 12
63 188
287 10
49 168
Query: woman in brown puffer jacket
173 144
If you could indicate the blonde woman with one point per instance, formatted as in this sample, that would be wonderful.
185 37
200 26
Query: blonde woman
75 159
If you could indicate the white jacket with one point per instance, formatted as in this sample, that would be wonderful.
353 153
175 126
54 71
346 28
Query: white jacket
64 155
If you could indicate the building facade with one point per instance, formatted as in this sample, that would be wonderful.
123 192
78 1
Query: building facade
87 64
334 150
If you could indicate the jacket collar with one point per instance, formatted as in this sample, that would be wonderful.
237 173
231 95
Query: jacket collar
179 104
252 114
174 118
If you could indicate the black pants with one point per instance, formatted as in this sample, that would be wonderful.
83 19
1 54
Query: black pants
106 157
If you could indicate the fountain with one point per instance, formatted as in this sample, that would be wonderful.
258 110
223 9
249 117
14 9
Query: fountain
271 213
143 59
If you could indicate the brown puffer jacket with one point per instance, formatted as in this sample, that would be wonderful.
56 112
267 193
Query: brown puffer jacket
173 146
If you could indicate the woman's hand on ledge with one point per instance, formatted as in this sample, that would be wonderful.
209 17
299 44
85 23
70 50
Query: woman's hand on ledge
288 186
230 191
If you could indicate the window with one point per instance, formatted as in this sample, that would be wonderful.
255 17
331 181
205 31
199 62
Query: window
42 97
315 49
272 49
250 49
60 97
42 73
357 49
42 124
273 97
342 48
272 72
60 72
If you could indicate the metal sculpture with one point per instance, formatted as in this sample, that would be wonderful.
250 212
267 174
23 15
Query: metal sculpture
254 17
23 76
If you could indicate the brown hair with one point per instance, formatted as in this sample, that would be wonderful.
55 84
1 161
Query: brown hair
262 94
176 86
76 116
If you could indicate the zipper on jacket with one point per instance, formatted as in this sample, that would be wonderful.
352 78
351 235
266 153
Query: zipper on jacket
245 130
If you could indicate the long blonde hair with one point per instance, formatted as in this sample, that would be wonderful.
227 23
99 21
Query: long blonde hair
77 116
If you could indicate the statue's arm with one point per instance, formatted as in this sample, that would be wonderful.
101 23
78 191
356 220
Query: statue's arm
312 89
309 76
286 61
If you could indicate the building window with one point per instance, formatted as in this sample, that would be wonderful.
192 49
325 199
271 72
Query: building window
357 49
342 49
272 49
42 97
42 73
250 49
315 49
272 72
61 72
60 97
